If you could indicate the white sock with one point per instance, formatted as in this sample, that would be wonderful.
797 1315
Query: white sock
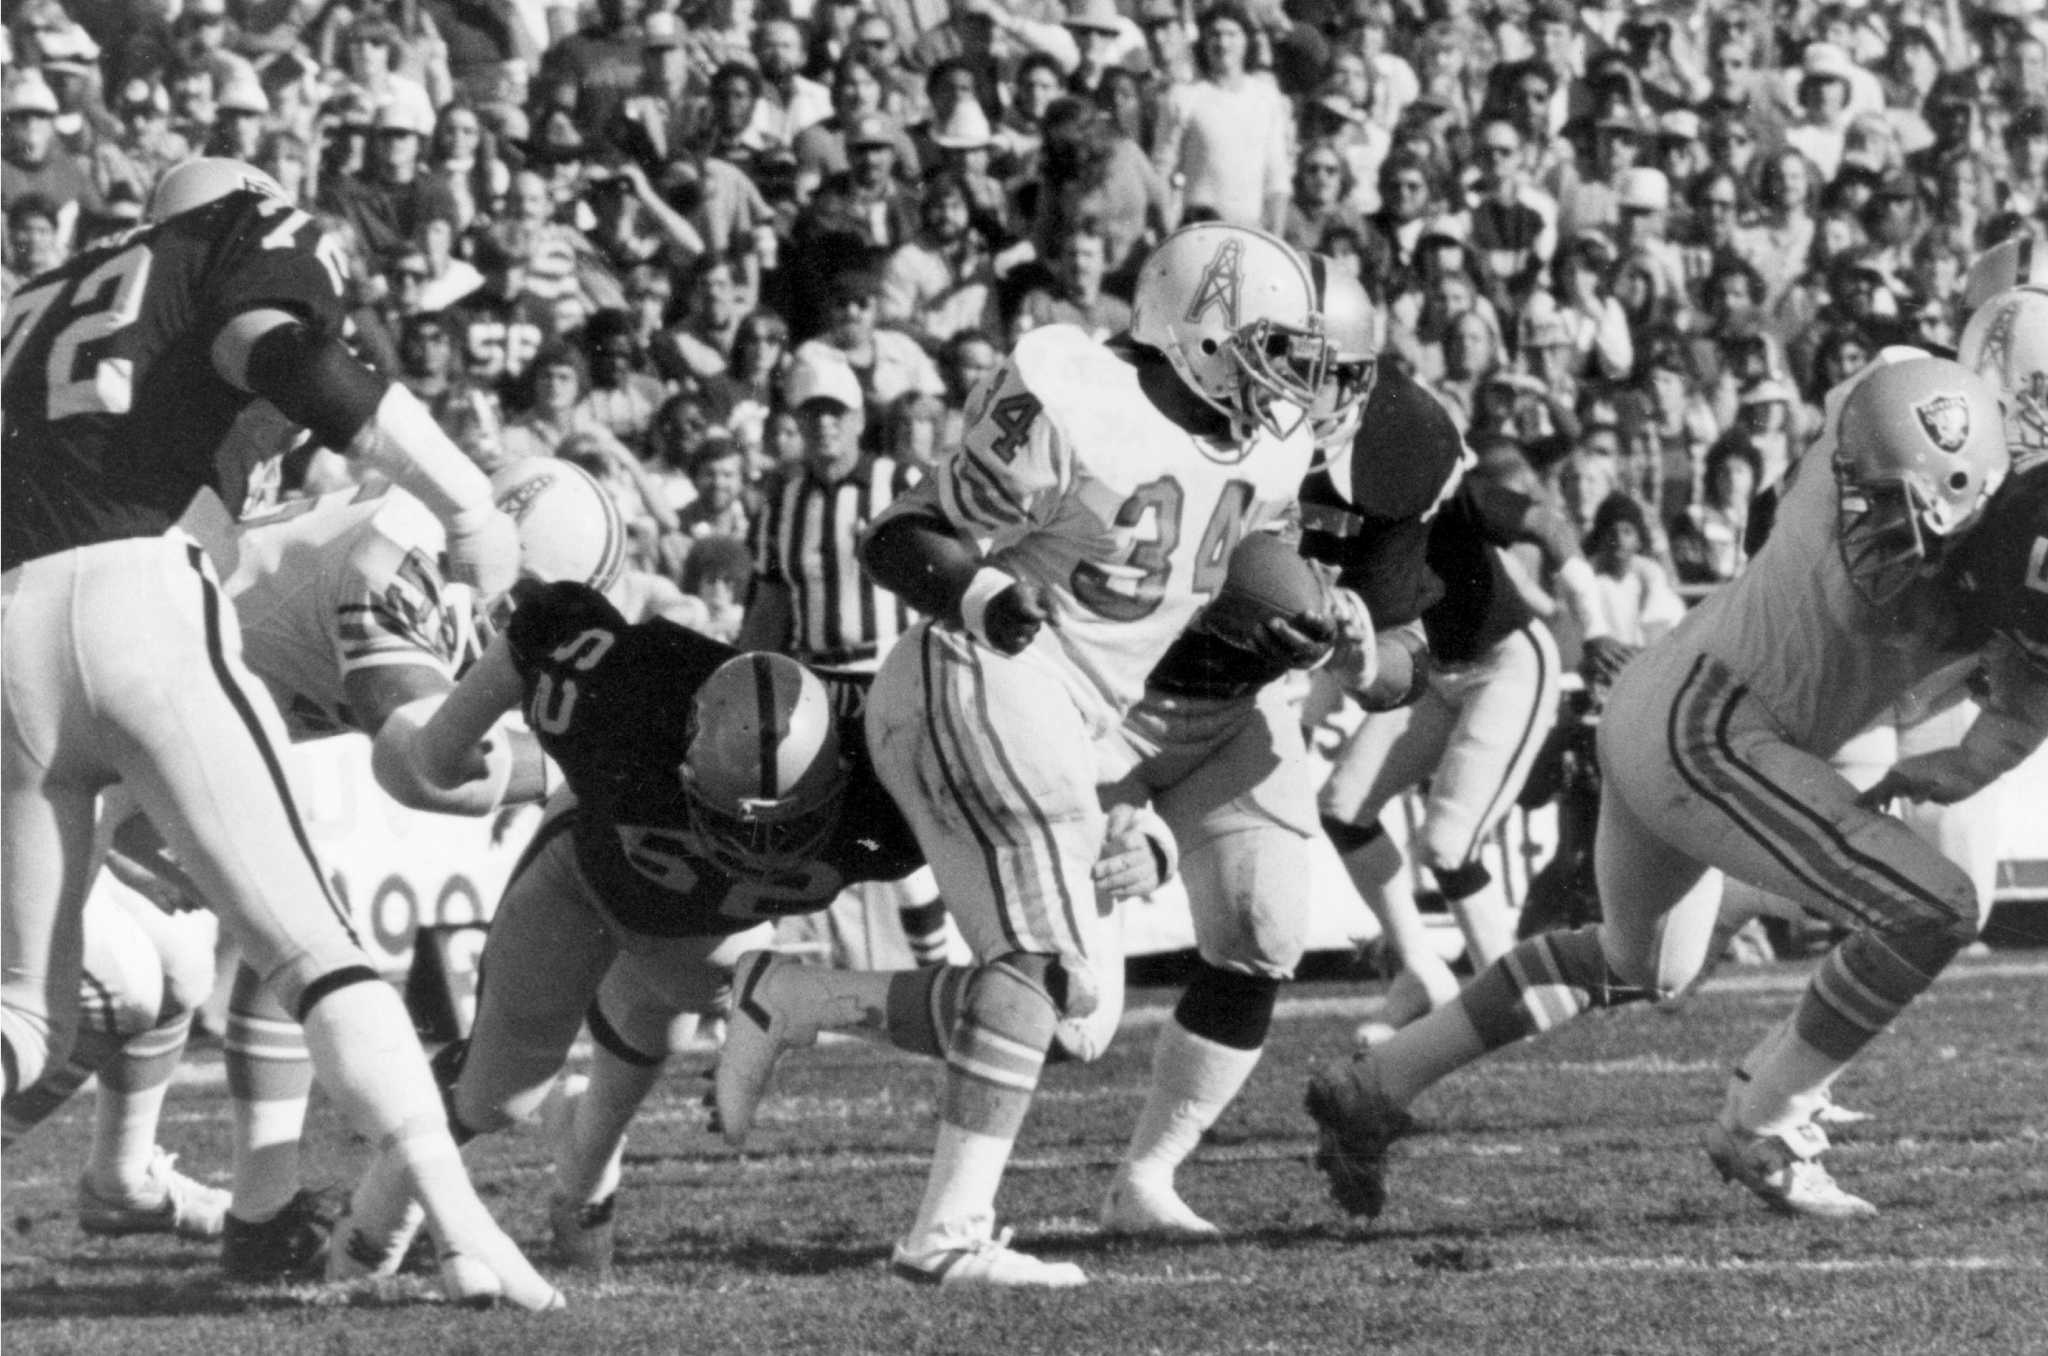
266 1155
129 1104
1193 1081
1779 1084
961 1190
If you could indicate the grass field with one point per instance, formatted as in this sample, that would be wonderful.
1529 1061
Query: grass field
1557 1201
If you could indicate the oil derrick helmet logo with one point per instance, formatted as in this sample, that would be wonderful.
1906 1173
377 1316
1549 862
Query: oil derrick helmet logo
1945 419
1221 283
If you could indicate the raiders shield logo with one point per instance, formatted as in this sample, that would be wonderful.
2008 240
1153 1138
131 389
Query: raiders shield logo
1222 281
1945 419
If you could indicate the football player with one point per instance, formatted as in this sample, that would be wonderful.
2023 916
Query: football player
123 373
1713 752
1473 731
708 793
1094 505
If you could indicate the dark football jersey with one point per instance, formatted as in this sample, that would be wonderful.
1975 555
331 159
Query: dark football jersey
1480 606
114 415
2002 566
610 703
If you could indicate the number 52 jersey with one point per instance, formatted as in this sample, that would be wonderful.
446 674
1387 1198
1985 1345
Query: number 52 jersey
610 703
113 413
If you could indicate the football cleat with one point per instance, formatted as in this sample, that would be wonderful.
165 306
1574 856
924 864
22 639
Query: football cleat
291 1245
583 1233
1784 1175
168 1203
970 1256
1832 1113
1357 1124
365 1252
1149 1205
772 1010
487 1270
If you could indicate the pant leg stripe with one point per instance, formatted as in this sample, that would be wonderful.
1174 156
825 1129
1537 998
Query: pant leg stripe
934 699
1509 783
1054 863
216 654
1692 716
1019 878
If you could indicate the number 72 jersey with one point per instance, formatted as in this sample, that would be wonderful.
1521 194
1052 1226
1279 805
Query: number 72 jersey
114 415
1069 475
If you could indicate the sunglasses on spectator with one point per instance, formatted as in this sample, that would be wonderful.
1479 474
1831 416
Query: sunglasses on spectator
1321 167
1411 186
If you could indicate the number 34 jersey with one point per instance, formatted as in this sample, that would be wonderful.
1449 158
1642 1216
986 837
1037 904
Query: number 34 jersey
610 703
114 415
1070 476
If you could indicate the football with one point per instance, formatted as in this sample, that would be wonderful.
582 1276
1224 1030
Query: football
1266 578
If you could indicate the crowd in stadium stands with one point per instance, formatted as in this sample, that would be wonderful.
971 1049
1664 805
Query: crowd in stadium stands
1627 244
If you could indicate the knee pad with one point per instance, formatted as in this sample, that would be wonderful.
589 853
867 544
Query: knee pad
1350 837
1228 1007
1462 882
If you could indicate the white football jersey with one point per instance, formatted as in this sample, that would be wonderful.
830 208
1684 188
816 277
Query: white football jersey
1793 625
1069 476
351 580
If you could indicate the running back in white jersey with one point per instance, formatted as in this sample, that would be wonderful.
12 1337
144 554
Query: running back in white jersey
1070 477
348 581
1793 625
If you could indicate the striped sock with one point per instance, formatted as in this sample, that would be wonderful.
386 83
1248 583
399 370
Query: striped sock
270 1079
924 926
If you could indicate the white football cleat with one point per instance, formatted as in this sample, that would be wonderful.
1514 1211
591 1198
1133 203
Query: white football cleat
1784 1171
1149 1205
773 1009
969 1256
168 1202
485 1272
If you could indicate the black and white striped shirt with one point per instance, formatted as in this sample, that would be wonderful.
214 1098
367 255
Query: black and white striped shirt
805 539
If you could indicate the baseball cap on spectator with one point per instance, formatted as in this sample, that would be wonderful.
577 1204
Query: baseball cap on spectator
1094 16
69 49
142 96
1644 189
1159 12
870 129
1680 124
662 29
244 94
372 28
1769 391
398 115
1617 119
822 373
1825 61
966 129
28 95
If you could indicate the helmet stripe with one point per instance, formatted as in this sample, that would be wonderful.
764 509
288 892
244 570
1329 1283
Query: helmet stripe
768 721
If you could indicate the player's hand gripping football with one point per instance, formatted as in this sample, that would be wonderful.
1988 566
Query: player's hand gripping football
1301 641
483 551
1015 615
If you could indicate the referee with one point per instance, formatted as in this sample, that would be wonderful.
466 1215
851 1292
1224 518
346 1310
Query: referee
810 597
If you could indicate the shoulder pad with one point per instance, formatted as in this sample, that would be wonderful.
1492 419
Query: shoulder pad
547 616
1406 451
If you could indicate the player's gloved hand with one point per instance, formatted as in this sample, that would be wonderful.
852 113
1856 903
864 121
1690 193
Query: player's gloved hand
1602 660
1013 617
1301 641
483 550
1133 862
1943 776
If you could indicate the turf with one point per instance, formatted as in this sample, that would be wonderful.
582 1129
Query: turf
1557 1201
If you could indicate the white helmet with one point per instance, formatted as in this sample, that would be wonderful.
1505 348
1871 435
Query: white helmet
1919 447
1351 324
1235 311
2007 341
763 778
2019 262
569 527
195 183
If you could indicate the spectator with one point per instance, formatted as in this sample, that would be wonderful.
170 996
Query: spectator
715 576
622 398
911 435
1323 189
789 102
966 358
1224 138
718 473
885 362
368 48
1089 172
239 121
942 281
1634 591
950 88
462 161
1588 199
822 149
1513 224
33 243
1708 539
602 63
700 347
1071 292
500 326
36 163
393 197
428 367
555 386
1472 352
1602 347
1670 432
865 202
964 148
1820 131
1018 134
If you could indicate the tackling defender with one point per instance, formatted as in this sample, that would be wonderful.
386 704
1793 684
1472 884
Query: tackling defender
1713 753
1095 502
124 372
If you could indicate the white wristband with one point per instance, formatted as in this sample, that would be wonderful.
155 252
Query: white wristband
981 591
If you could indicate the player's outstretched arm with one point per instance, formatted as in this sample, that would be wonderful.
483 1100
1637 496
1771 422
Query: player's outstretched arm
379 695
2012 722
917 555
439 752
313 378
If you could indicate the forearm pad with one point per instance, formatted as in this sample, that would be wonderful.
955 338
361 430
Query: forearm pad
406 767
403 441
314 380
